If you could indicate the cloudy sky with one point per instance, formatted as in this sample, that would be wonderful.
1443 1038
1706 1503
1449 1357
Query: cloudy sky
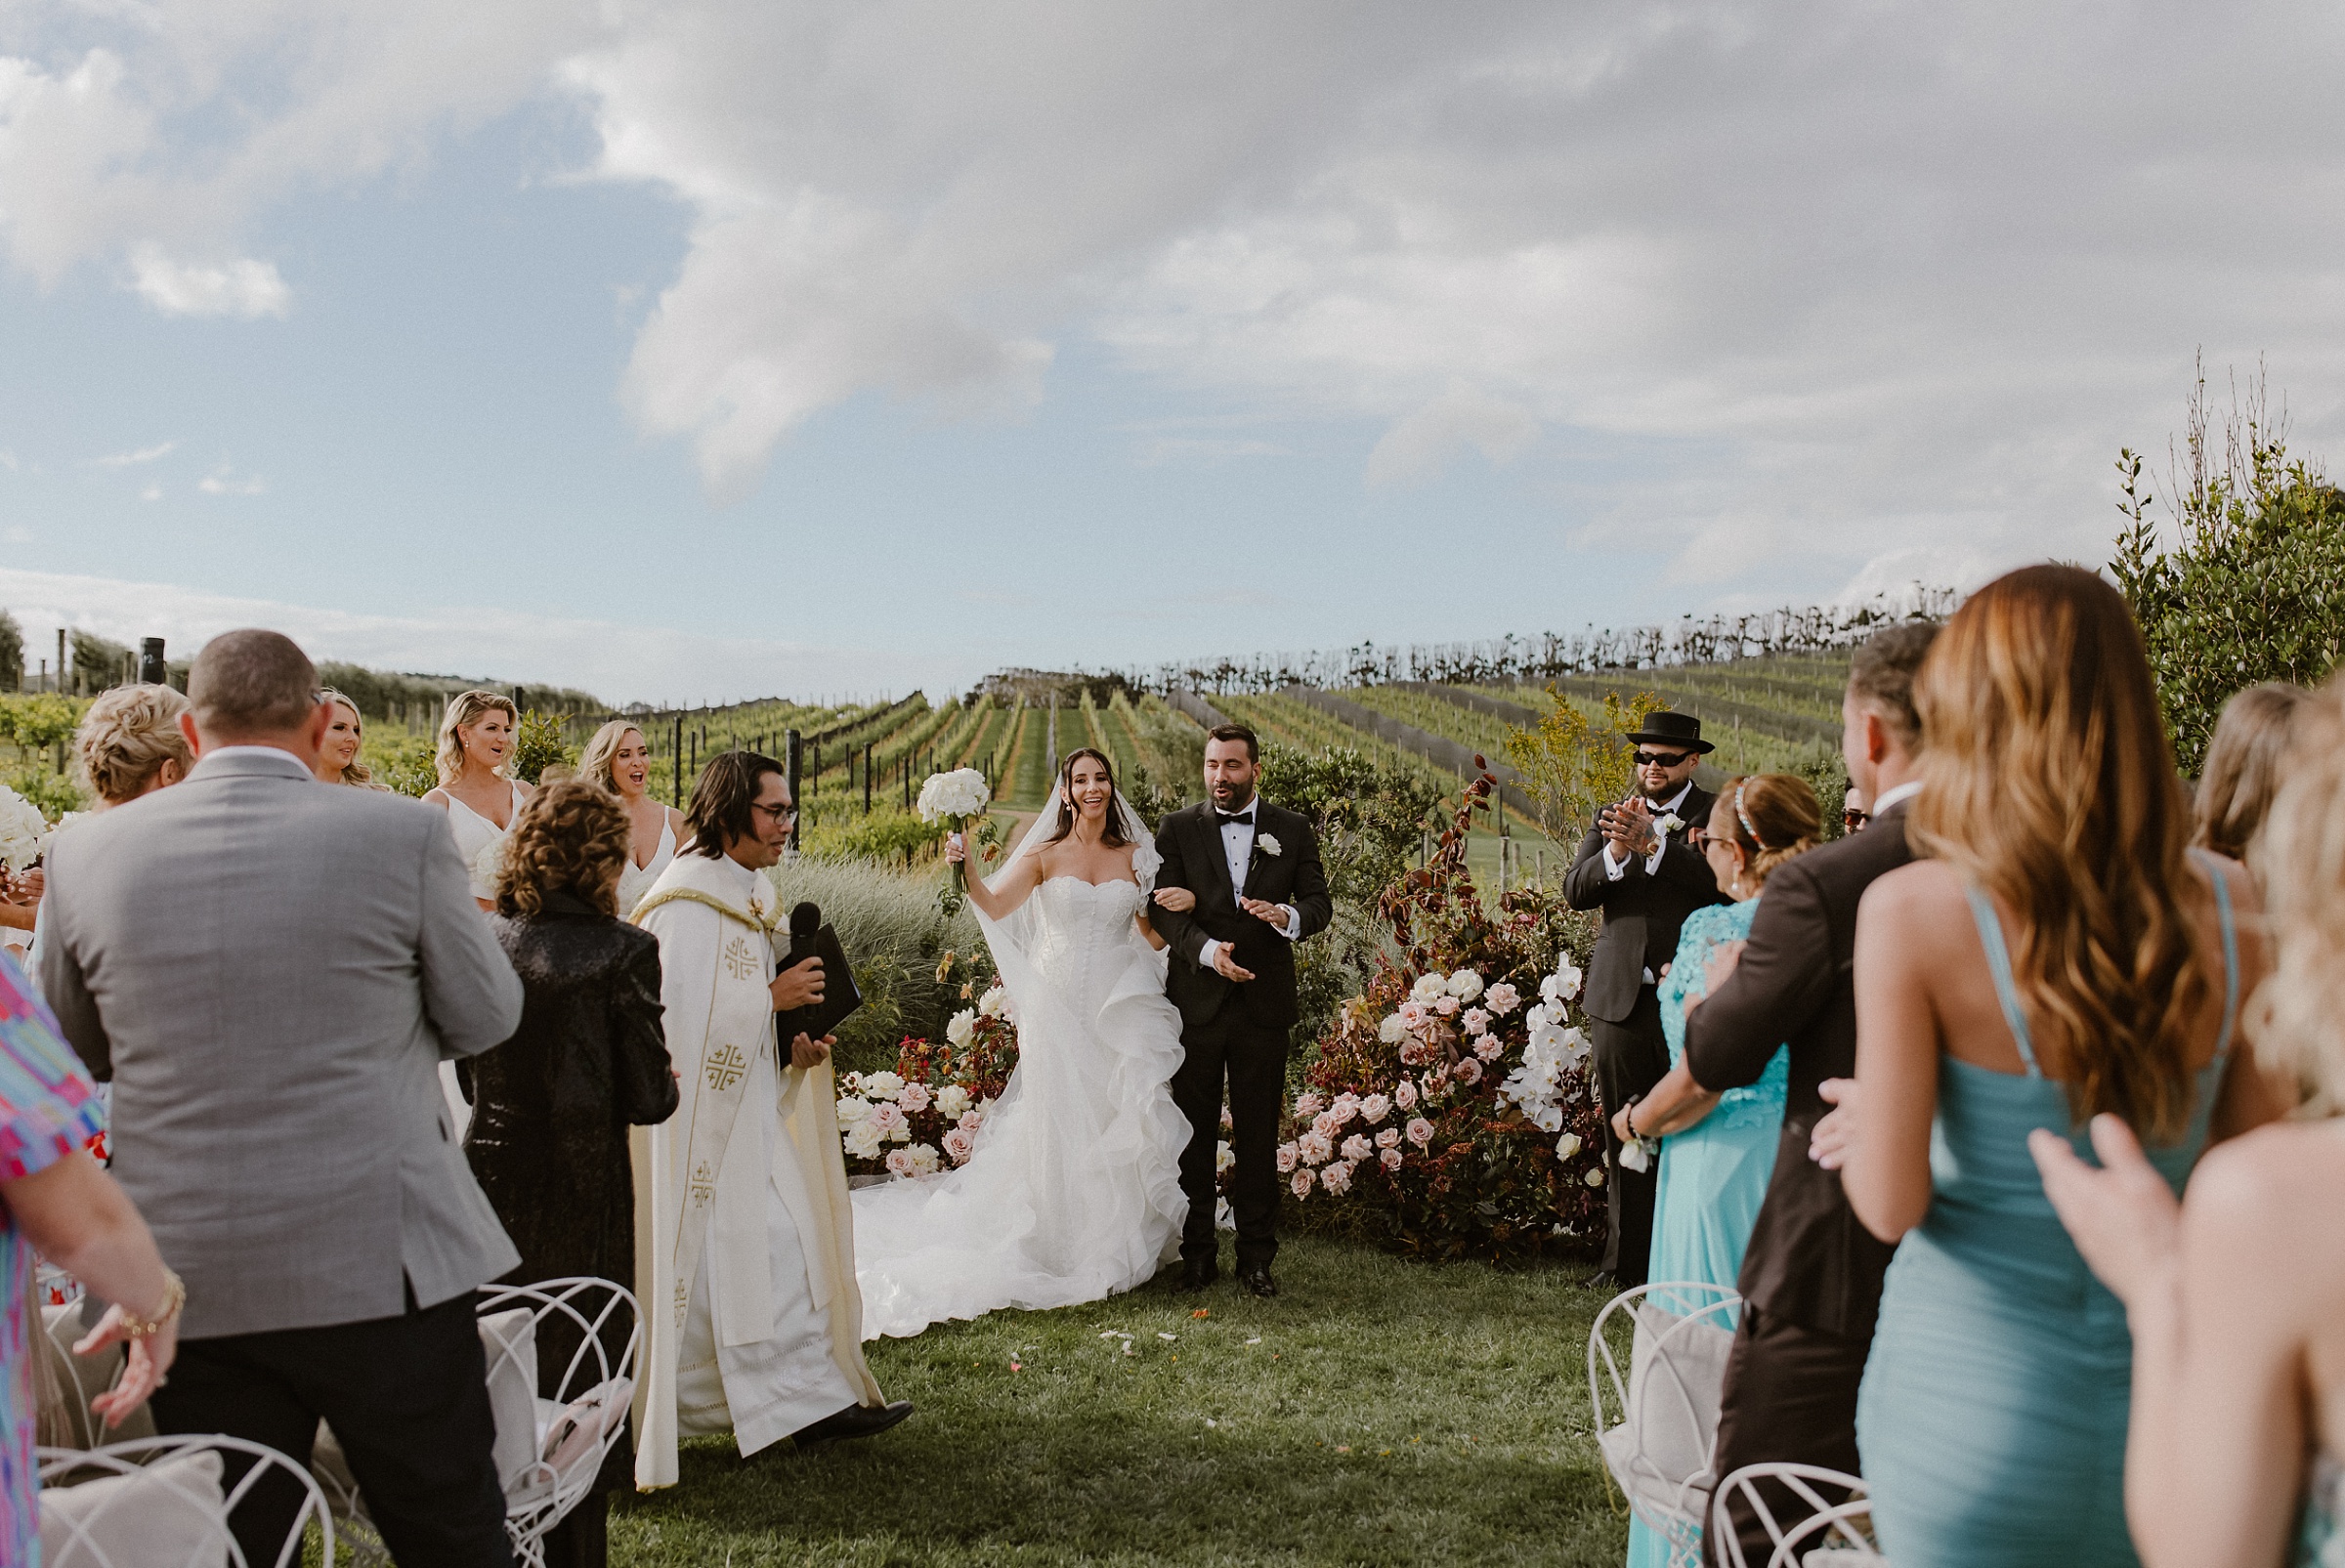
716 347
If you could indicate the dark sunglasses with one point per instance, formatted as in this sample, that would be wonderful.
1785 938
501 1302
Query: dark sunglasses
1852 819
1660 759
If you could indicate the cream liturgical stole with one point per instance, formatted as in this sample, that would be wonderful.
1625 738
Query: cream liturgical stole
715 1051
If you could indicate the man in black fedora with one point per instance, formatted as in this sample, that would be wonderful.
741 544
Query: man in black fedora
1637 866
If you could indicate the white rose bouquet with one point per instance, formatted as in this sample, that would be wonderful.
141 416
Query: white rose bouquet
24 831
953 798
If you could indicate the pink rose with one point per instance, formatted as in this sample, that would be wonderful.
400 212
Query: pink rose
1414 1051
1301 1183
1477 1021
961 1144
1413 1015
1326 1125
1468 1072
1307 1104
1226 1119
1336 1178
1390 1139
1316 1148
1288 1154
1376 1107
1357 1147
1445 1004
971 1121
1502 999
1488 1047
914 1097
1347 1106
1390 1158
1421 1131
899 1162
888 1119
1404 1095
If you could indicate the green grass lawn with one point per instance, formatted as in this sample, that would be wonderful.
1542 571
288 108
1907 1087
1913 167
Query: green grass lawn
1378 1411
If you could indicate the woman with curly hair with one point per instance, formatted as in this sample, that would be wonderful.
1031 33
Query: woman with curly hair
2060 955
551 1106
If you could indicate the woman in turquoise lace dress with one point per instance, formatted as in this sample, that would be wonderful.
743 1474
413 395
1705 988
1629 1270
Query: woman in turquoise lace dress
2233 1296
1717 1151
2059 954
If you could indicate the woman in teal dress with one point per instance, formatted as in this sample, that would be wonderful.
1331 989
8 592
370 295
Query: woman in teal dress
2059 954
1716 1152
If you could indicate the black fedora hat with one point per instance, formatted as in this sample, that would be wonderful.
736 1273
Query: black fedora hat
1681 729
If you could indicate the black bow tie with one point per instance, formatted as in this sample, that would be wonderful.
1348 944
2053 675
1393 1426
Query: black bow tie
1246 816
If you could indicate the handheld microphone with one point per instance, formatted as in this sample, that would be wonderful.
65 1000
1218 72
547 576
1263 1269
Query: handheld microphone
804 922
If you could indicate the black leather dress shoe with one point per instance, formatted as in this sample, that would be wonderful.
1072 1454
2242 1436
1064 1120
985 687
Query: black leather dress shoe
856 1421
1257 1282
1198 1273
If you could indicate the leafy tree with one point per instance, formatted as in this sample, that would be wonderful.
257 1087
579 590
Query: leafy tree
12 652
1570 767
2247 583
537 746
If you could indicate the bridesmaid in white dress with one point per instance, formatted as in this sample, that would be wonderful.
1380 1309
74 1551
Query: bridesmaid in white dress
476 736
619 759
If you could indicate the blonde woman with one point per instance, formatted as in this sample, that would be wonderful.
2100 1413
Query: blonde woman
129 743
619 759
338 759
476 736
2233 1296
2061 957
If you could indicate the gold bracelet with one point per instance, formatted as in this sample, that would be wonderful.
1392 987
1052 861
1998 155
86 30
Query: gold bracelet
175 1296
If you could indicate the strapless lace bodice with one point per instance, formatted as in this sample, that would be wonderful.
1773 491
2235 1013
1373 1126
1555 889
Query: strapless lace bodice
1083 934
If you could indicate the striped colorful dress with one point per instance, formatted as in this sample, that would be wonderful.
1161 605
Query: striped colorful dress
48 1108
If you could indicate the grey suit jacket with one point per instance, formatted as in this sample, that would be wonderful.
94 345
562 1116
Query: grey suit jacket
269 970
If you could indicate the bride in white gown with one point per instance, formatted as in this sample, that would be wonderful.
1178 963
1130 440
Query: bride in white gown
1073 1191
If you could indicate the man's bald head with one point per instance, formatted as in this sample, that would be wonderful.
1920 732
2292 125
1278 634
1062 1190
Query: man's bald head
250 684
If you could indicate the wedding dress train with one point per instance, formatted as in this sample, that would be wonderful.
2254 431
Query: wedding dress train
1073 1191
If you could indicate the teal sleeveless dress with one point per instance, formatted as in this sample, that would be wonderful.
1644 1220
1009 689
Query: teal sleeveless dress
1992 1416
1714 1174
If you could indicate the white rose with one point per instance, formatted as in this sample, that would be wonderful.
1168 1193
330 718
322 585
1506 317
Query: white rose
963 1027
1427 987
1392 1030
1465 984
882 1086
959 794
1568 1144
1267 843
952 1101
923 1159
994 1003
853 1109
862 1141
1223 1157
1633 1156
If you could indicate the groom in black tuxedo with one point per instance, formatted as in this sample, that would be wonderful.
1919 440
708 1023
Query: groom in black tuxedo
1636 866
1254 870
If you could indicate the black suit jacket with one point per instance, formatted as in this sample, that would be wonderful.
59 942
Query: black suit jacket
1190 841
1642 911
1810 1260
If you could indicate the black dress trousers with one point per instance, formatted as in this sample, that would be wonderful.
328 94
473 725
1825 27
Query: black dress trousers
1252 1057
1630 1057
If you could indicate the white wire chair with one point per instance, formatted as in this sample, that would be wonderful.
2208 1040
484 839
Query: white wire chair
1822 1535
575 1419
154 1503
1659 1450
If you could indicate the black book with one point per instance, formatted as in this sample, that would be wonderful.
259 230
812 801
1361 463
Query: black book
811 938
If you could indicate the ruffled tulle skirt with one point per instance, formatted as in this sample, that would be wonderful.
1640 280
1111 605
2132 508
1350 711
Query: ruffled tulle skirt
1072 1193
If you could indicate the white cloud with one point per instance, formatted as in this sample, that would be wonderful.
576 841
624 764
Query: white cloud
143 454
619 662
242 288
153 492
222 481
1419 444
18 534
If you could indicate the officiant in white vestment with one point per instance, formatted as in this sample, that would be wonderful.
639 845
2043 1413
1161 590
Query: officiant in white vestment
753 1319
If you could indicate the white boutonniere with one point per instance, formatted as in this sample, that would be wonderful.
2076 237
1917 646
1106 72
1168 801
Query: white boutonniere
1671 824
1266 842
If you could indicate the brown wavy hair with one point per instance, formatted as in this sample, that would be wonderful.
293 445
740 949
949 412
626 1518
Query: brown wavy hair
569 838
2245 762
1776 816
1111 830
2048 781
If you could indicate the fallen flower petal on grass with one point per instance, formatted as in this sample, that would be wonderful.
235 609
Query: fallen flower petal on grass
1256 1340
1167 1337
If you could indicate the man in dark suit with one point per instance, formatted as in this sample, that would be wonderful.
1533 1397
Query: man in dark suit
1636 866
1253 869
1812 1276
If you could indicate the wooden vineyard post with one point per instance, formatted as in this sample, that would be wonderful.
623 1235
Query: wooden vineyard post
790 760
675 763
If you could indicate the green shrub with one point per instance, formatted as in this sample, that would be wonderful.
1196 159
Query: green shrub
53 794
537 746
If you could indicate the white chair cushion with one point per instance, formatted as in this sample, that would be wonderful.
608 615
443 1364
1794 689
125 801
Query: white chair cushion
171 1515
1661 1450
574 1431
509 1341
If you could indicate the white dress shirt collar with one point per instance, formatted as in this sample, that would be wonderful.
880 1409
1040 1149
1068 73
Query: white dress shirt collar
1898 796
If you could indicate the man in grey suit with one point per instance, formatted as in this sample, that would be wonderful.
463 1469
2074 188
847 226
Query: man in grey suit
269 971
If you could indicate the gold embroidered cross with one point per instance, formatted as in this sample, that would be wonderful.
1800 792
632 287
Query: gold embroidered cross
724 1068
683 1301
703 1184
739 962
